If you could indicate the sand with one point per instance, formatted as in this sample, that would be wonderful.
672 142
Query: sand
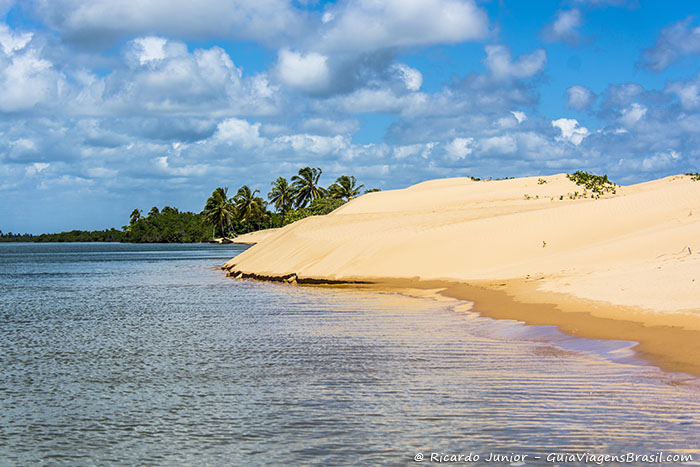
253 237
628 263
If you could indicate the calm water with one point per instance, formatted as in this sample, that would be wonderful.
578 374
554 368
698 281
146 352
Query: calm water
147 354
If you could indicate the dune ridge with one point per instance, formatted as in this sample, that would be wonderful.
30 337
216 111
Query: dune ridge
632 256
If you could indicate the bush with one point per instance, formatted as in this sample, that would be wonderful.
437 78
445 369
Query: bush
319 207
598 184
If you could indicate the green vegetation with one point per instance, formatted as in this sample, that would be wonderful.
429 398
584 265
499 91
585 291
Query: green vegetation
110 235
598 184
541 181
694 176
222 216
490 179
319 207
303 197
167 226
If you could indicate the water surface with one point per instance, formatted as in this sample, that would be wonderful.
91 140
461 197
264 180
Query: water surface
147 354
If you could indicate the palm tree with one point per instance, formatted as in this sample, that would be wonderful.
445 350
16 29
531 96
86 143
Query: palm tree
281 195
135 216
248 205
345 188
306 187
219 210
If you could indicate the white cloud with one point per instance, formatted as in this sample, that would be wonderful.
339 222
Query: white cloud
421 149
164 78
632 114
308 72
660 160
688 92
505 144
412 78
365 25
564 27
498 60
321 145
234 131
459 148
570 130
519 116
36 168
163 164
11 42
26 80
378 101
579 97
150 49
103 22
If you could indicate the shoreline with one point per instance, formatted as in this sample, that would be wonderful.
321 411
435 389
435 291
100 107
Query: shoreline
670 348
623 266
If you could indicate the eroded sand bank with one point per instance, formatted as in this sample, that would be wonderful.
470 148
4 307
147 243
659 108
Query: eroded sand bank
624 266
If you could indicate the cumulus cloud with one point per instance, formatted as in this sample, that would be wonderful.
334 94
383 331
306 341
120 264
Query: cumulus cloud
658 161
377 100
103 22
459 148
149 49
565 27
571 130
26 78
504 144
499 62
632 114
674 41
162 76
308 72
11 41
579 97
688 92
234 131
412 78
320 145
366 25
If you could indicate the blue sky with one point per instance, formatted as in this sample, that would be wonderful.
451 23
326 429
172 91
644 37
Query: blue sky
109 106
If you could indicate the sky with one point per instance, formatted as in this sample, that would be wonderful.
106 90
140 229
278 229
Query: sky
107 106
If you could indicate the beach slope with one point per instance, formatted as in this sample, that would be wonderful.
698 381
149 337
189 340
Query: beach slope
628 257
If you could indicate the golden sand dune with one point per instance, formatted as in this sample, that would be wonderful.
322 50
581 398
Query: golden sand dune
633 255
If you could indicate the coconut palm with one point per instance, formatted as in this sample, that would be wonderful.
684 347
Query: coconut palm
248 205
219 210
345 188
135 216
281 195
306 188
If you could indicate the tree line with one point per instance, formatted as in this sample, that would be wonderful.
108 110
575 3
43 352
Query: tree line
302 197
222 216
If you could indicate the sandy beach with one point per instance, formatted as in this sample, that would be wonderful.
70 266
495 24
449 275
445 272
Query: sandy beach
622 266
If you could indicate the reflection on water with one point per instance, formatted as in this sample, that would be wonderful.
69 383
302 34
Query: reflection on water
137 354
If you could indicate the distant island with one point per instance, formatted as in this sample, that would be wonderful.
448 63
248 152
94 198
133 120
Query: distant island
223 216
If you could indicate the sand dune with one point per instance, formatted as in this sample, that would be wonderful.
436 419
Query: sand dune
637 251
